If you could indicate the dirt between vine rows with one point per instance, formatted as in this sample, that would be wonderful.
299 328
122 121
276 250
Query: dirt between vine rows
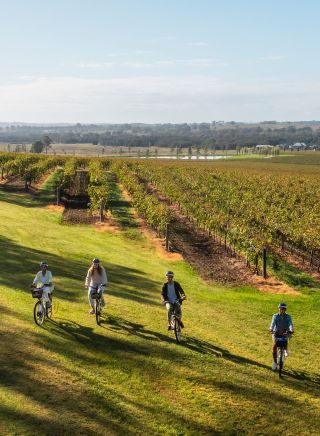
212 261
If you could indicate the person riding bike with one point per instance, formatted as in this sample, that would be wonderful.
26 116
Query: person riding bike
281 325
44 279
171 292
96 278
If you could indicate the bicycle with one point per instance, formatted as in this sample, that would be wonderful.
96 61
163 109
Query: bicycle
175 322
281 342
41 310
97 297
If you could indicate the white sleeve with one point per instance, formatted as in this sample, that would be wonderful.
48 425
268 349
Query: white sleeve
88 278
35 280
104 277
50 278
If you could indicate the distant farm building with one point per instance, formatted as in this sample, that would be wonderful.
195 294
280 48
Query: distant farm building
263 146
298 145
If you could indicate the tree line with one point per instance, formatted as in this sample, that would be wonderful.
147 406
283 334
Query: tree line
211 135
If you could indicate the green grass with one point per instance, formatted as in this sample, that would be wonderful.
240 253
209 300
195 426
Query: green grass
295 278
129 376
121 208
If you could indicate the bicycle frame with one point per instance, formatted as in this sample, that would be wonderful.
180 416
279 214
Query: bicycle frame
281 342
97 294
175 322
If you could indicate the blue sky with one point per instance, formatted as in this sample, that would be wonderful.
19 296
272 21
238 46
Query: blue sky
159 61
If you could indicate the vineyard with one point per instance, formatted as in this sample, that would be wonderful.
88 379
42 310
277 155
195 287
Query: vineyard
251 211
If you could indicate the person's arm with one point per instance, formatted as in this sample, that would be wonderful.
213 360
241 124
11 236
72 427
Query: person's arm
88 278
50 278
35 280
180 290
164 292
291 328
104 279
273 322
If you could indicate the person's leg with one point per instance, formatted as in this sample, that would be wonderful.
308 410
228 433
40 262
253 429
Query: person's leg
286 352
274 352
90 290
169 307
274 348
46 291
102 289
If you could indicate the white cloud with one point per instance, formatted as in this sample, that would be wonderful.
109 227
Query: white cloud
157 99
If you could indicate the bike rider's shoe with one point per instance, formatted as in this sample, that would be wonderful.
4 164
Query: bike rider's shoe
169 327
92 311
274 366
286 353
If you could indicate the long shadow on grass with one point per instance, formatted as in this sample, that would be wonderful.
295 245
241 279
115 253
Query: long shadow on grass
302 377
72 405
118 324
89 338
80 394
297 379
122 326
19 265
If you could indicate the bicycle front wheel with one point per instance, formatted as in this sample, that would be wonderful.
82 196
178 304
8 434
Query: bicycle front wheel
177 330
38 313
281 358
98 311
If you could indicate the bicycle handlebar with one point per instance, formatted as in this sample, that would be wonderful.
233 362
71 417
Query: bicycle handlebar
175 302
283 334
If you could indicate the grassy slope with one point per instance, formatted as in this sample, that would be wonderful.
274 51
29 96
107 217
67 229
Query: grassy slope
71 376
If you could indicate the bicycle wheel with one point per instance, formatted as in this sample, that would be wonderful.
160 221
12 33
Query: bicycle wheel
98 311
177 330
280 357
38 313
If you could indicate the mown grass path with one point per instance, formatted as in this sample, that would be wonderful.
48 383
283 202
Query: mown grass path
129 376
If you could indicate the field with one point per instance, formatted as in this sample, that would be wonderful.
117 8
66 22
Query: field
129 375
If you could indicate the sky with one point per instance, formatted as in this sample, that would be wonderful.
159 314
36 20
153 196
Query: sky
159 61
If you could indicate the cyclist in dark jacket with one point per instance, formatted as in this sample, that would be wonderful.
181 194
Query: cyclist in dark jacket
171 292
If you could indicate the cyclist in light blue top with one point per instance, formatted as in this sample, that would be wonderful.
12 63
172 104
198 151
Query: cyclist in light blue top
281 325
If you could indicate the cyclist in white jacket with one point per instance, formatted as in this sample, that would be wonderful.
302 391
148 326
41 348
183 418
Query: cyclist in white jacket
44 279
96 278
